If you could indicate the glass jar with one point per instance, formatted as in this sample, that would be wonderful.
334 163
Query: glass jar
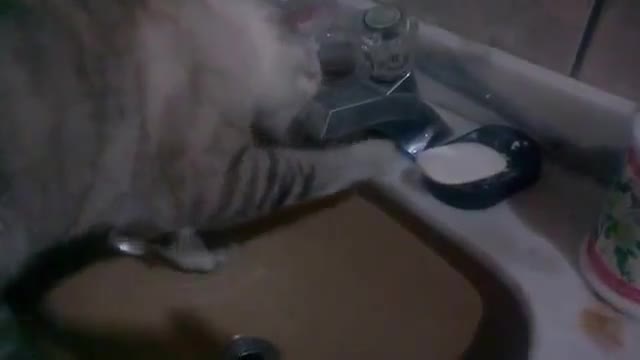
388 43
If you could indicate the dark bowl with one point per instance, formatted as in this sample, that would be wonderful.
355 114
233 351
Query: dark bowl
524 164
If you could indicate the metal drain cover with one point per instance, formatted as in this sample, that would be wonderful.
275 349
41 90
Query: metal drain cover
250 348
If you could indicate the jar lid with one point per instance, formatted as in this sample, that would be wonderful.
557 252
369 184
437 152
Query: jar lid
382 17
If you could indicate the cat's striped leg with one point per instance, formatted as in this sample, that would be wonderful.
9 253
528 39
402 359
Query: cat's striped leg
260 180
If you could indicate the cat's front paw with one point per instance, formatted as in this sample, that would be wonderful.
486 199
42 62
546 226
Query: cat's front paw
188 252
380 157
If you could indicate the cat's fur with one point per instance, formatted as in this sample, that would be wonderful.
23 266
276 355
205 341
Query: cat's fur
129 112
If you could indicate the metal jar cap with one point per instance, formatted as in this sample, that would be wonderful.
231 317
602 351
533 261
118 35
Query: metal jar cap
382 17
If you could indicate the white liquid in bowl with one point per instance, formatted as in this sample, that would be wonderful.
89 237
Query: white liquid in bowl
461 163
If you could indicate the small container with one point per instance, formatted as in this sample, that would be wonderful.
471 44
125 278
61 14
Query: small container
610 257
388 42
524 165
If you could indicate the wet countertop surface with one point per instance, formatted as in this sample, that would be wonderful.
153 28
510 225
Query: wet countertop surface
533 241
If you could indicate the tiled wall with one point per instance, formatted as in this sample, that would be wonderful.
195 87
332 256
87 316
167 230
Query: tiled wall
549 32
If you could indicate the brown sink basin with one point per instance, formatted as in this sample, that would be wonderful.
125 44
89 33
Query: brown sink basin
342 279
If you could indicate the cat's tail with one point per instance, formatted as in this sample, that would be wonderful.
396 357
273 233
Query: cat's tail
23 324
16 343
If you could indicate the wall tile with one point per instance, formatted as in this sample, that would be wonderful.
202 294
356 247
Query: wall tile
545 32
612 62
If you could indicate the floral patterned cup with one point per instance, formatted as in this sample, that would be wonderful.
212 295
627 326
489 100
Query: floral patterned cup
611 256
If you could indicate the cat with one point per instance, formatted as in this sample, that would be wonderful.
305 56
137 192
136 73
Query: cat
143 114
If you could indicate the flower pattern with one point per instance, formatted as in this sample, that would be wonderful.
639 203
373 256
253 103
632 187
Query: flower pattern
618 231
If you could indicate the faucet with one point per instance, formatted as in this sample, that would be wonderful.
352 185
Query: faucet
356 106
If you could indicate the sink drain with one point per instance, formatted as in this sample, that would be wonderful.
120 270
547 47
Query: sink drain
250 348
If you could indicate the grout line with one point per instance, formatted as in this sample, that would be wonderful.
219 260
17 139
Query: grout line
585 41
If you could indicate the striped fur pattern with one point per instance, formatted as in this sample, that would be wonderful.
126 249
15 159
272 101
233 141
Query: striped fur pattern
141 114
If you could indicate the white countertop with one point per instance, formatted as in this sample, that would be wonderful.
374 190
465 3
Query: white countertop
533 242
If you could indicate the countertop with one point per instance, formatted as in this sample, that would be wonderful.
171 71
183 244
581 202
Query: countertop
533 241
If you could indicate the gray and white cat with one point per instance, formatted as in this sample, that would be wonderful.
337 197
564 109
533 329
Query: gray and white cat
129 112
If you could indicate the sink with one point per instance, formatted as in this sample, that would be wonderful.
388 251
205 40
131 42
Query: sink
351 277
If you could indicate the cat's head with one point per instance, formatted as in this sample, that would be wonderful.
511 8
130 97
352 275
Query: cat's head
259 63
232 59
288 69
